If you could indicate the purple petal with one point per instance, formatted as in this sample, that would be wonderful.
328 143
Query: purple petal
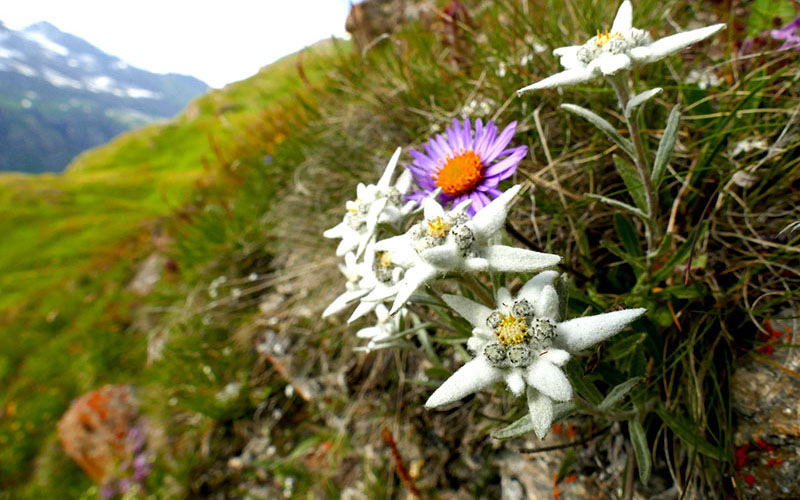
505 167
500 143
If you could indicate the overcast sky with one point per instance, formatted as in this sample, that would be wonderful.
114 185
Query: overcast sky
218 42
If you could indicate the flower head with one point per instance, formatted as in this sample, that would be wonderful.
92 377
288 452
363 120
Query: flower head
375 203
379 335
376 274
617 49
452 241
466 166
523 342
790 34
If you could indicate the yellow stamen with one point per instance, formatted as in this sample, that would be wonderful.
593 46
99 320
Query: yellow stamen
460 174
384 259
512 331
604 38
438 228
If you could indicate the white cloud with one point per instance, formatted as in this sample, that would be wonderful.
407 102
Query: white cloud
216 42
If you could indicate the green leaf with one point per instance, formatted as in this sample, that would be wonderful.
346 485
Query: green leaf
665 146
524 425
566 464
637 263
640 99
677 258
617 204
618 392
632 182
624 347
642 452
562 288
519 427
581 384
627 235
604 126
686 432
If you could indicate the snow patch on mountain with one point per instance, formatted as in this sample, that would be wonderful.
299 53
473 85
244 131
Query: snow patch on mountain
46 43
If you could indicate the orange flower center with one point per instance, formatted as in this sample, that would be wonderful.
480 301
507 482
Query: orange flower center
460 174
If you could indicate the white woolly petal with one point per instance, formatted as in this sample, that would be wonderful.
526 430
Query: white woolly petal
336 231
471 311
382 312
569 56
546 305
550 380
386 178
611 64
579 333
432 209
470 378
462 206
541 412
571 76
510 259
475 344
403 183
350 241
491 218
369 332
381 293
503 297
530 291
444 257
414 278
363 308
476 264
558 357
342 301
515 382
623 21
663 47
399 248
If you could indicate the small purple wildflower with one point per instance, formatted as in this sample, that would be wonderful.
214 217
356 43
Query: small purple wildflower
466 165
790 34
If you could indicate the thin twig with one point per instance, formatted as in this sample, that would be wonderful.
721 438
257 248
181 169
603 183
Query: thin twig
580 442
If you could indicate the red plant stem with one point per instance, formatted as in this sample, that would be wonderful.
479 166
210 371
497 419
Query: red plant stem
398 463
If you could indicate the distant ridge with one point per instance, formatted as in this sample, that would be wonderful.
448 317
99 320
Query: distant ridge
60 95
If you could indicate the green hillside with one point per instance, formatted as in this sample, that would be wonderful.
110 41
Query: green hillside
250 394
71 242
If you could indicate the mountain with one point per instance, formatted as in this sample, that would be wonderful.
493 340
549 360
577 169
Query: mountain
60 95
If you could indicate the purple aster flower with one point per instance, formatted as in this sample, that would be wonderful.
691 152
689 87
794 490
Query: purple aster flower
790 34
464 165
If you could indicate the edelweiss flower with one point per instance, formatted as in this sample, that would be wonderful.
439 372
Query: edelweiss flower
375 203
386 326
464 166
451 241
352 271
376 273
618 49
523 343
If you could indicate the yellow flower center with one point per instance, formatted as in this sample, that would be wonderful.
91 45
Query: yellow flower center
384 259
460 174
512 331
604 38
438 228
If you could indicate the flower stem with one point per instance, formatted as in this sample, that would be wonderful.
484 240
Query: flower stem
620 85
477 288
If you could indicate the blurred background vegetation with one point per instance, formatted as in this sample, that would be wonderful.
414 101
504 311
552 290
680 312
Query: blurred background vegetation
252 395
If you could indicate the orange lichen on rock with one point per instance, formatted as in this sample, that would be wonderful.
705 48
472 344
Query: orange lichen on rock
94 429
